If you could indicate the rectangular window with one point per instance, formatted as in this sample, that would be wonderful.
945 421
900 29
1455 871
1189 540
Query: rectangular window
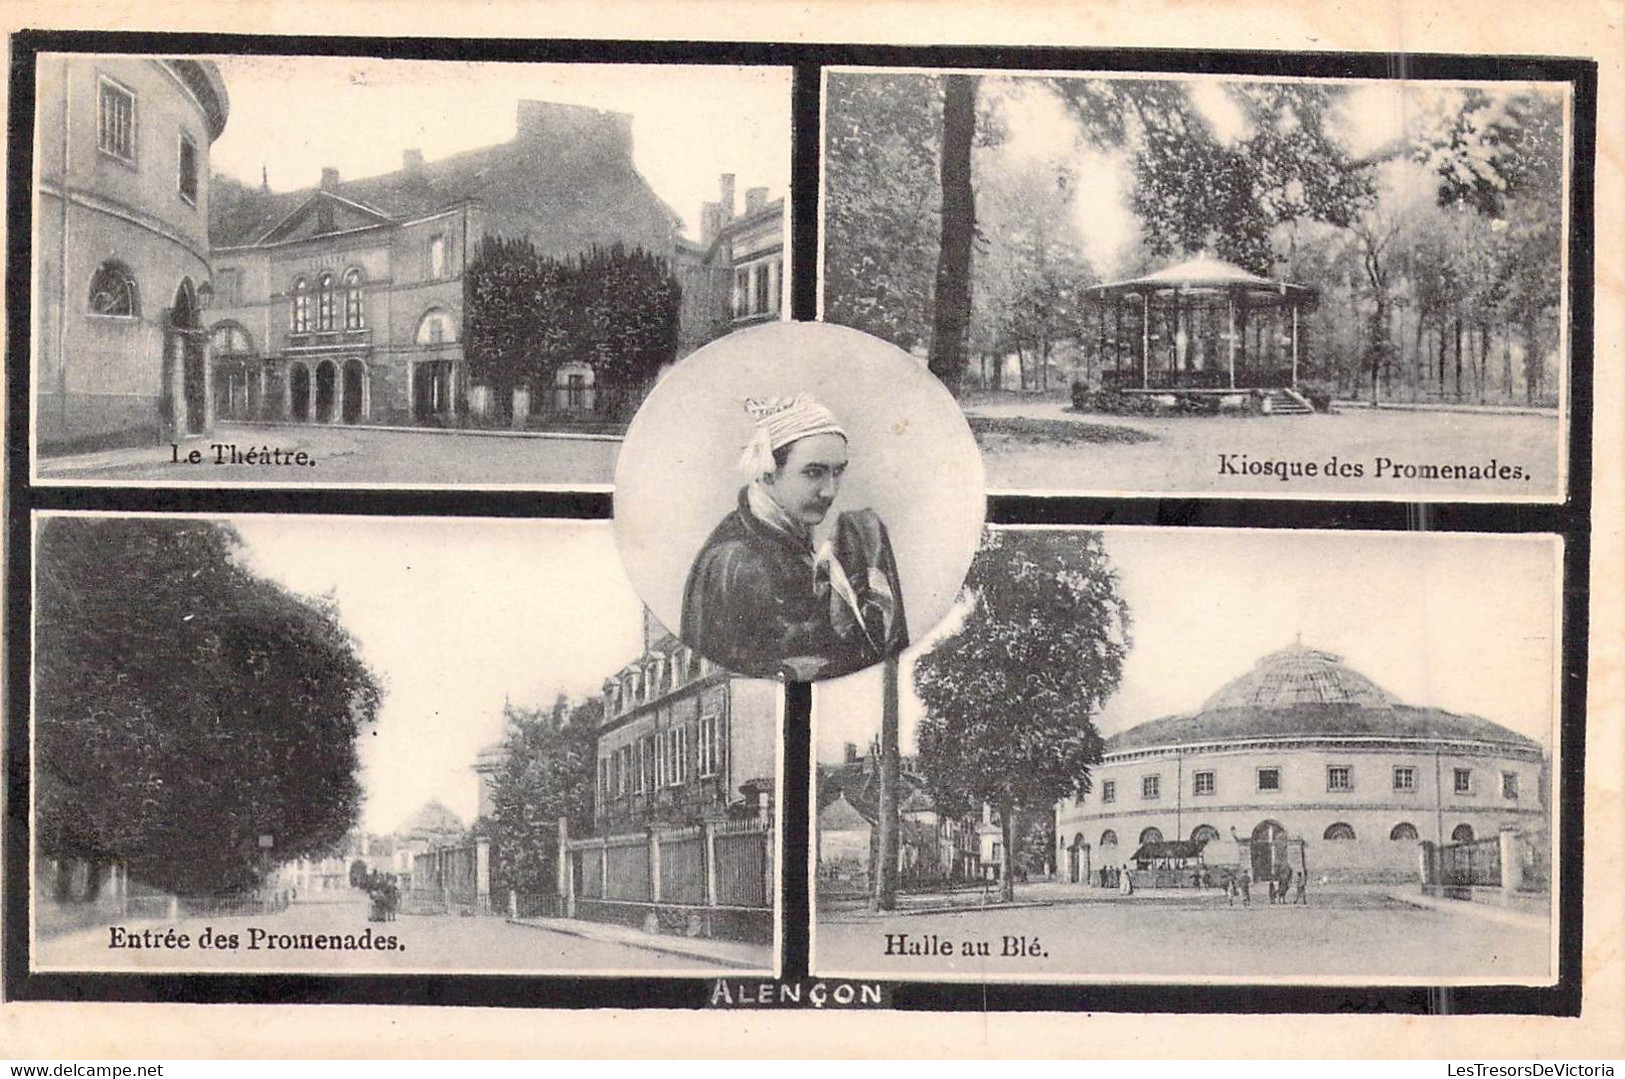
1464 781
1339 777
682 755
1509 786
437 257
1404 779
710 745
660 760
741 293
116 128
762 285
777 292
1150 787
1269 779
1203 783
1108 791
603 780
637 767
649 764
188 169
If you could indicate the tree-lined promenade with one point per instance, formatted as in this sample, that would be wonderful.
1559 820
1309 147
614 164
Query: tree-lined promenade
1436 252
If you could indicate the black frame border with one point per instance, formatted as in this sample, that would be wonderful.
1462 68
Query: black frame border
1570 519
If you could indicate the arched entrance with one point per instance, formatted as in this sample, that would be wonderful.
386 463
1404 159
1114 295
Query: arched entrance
189 340
1078 860
1268 849
327 379
299 393
355 380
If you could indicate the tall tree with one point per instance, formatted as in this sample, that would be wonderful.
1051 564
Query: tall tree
951 311
547 773
1011 697
186 707
881 200
1197 188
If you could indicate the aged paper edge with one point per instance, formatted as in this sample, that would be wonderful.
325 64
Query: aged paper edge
1537 27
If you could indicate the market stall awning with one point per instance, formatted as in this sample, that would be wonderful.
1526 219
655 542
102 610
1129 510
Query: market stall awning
1170 848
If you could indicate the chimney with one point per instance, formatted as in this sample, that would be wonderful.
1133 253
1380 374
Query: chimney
330 178
727 196
412 163
710 222
851 753
755 199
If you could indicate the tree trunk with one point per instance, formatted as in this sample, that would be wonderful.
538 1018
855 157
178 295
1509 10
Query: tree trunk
1457 324
951 317
1506 361
1007 832
1420 373
885 896
1483 361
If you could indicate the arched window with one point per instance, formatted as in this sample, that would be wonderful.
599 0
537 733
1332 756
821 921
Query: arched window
113 293
1150 835
1403 831
1108 838
324 302
1462 834
230 339
355 316
1205 833
1339 833
436 328
299 309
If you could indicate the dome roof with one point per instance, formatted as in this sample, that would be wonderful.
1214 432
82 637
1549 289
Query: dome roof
1299 675
1301 692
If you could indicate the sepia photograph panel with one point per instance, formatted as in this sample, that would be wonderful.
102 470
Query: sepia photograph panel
338 746
1204 756
1158 284
319 270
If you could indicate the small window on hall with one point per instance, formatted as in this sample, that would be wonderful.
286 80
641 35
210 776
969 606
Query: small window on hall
299 312
355 315
1151 835
1108 838
1269 779
1464 781
1150 787
1463 833
1509 786
1339 833
1339 777
1204 783
188 169
436 328
437 256
1405 832
113 292
324 302
1205 833
116 121
1108 790
1404 779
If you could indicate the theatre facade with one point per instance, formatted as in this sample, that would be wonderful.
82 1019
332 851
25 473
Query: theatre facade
346 303
1303 753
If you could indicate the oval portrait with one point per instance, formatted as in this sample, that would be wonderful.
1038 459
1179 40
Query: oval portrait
798 500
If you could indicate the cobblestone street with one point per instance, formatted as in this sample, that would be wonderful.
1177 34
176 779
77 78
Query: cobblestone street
1354 935
439 943
355 455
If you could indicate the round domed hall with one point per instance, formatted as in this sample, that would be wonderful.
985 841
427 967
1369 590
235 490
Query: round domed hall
1303 747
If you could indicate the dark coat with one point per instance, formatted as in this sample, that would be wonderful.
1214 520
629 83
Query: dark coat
753 599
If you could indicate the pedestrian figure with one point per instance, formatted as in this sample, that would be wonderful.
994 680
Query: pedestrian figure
1245 880
1230 890
1303 881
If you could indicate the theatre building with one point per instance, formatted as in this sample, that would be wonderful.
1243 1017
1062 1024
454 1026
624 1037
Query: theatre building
121 252
345 303
1302 753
